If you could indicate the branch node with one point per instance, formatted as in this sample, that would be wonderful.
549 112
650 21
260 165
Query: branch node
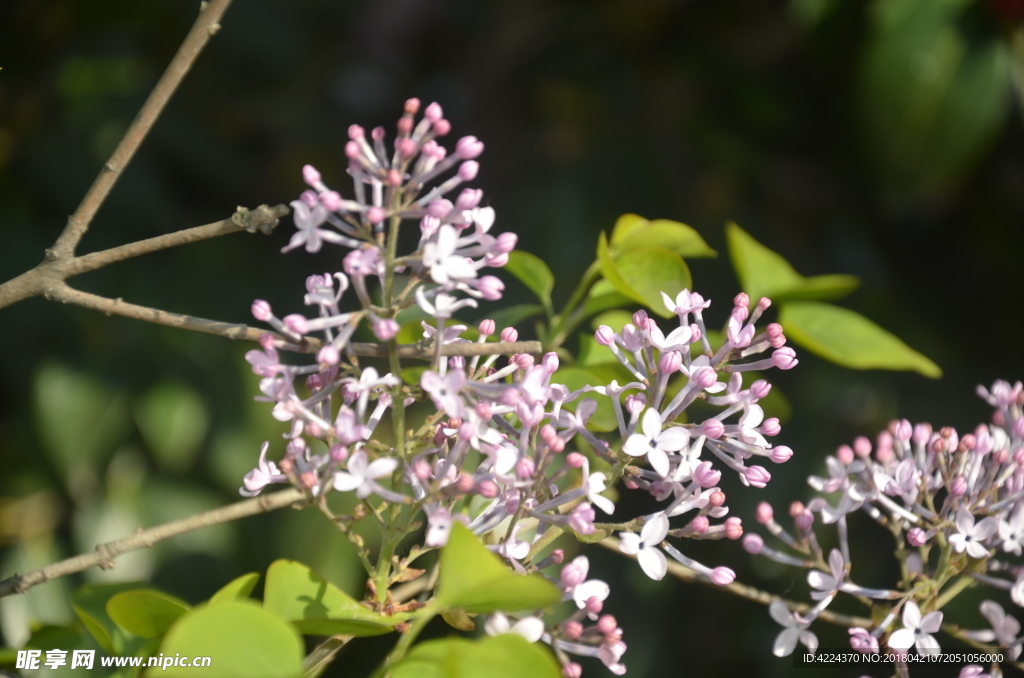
263 219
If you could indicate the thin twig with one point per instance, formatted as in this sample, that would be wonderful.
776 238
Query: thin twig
78 223
104 555
680 571
69 295
322 655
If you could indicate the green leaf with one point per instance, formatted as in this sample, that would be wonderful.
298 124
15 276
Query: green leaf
936 91
173 420
534 273
849 339
412 332
476 580
616 320
643 273
79 419
145 613
513 315
625 225
765 273
8 655
672 235
316 607
242 640
504 656
602 297
236 589
90 604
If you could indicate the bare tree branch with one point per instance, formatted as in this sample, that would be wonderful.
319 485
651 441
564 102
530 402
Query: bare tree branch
78 223
104 555
680 571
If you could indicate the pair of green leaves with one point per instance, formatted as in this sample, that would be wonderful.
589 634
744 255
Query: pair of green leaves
832 332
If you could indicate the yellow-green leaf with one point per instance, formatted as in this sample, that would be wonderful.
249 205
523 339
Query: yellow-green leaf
504 656
476 580
90 604
236 589
145 612
672 235
534 273
849 339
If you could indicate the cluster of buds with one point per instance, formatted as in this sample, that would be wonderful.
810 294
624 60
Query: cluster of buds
954 504
494 453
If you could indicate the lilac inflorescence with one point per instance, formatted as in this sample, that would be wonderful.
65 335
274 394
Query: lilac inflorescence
494 452
960 496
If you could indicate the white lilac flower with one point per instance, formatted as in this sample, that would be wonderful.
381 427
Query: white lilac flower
444 391
1011 532
917 630
1004 631
794 629
826 585
265 473
443 306
656 442
531 628
578 587
970 535
361 475
645 546
445 265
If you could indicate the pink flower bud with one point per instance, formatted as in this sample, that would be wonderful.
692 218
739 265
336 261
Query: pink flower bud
796 508
456 362
468 199
760 389
733 528
1000 457
774 330
705 377
716 499
487 489
378 133
352 151
421 469
699 525
958 487
862 641
338 452
785 358
648 324
639 317
594 605
314 382
464 483
523 361
636 403
575 460
556 557
604 335
804 520
764 513
295 447
310 175
328 355
757 476
509 334
433 112
442 127
741 300
670 362
468 148
771 427
411 106
753 543
572 669
607 624
491 287
917 537
922 432
713 429
439 208
777 342
780 454
296 323
548 433
394 178
468 170
1018 455
261 311
309 198
505 243
862 446
330 200
705 475
723 576
356 132
904 431
385 329
764 303
486 327
525 468
1018 427
375 215
556 445
844 453
404 126
572 631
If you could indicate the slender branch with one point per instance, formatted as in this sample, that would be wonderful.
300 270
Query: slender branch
263 219
680 571
322 655
78 223
104 555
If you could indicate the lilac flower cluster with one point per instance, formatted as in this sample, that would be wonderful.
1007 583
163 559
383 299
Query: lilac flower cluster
954 504
493 451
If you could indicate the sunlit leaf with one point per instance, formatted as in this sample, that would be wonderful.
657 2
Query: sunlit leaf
242 640
238 588
473 578
315 606
144 612
504 656
630 233
643 273
532 272
90 604
849 339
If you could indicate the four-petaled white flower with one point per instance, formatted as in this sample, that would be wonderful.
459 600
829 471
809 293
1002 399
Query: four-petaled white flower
1011 532
655 442
444 305
685 302
444 391
1004 628
645 546
446 266
970 535
265 473
585 590
678 339
827 584
531 628
794 629
361 475
917 630
308 222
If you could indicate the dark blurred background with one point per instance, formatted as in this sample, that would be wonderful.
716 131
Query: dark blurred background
882 139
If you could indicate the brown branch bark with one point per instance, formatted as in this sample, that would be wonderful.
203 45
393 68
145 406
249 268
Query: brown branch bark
69 295
78 223
680 571
105 554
